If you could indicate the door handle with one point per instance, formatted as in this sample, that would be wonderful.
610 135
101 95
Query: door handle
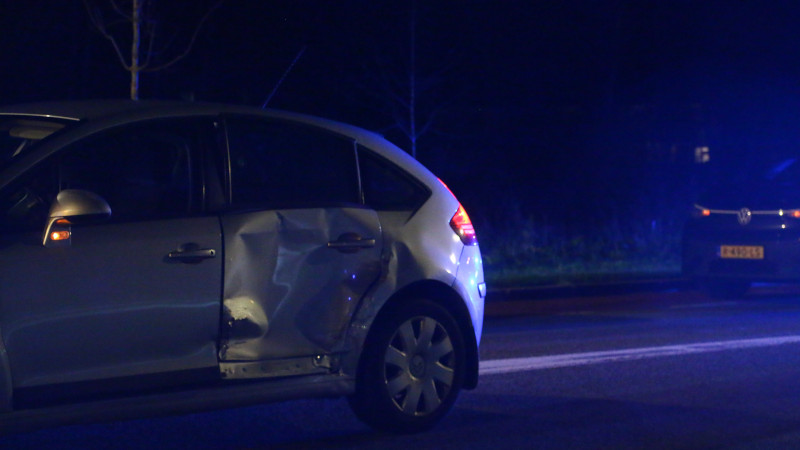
191 254
351 243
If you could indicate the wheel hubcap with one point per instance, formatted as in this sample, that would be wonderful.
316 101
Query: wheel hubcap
419 366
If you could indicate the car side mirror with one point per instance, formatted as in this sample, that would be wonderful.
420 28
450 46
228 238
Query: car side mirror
71 207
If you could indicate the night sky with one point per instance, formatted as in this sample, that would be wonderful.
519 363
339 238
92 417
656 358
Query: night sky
559 105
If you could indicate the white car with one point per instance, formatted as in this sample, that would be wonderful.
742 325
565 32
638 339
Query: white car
167 257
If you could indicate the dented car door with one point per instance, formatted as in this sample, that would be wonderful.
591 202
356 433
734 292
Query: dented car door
301 248
293 279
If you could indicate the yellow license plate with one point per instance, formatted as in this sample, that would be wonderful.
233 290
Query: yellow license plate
741 252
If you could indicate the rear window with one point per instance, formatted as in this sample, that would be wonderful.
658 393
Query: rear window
386 186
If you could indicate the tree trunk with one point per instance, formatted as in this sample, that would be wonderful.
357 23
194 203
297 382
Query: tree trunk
137 25
412 82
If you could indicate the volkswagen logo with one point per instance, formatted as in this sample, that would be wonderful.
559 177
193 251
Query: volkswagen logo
744 215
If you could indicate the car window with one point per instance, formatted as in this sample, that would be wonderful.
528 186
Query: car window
386 186
142 171
277 164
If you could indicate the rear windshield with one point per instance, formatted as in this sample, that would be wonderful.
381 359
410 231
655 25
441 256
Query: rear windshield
18 134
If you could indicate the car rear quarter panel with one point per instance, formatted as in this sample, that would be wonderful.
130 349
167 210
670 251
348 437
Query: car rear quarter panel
421 248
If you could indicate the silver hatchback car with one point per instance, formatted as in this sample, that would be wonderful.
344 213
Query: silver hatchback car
166 257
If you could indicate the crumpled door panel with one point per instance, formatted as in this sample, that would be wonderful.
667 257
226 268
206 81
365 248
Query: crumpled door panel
287 292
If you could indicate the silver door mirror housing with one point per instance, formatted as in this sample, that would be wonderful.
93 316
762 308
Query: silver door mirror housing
72 206
78 205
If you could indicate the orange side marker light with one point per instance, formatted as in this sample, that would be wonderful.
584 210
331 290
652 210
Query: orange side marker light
60 235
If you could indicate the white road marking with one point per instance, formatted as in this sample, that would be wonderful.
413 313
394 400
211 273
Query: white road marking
580 359
704 305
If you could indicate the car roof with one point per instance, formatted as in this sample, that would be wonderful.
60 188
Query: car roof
84 110
121 110
131 110
79 110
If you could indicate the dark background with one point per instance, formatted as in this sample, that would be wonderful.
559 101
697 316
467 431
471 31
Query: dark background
564 116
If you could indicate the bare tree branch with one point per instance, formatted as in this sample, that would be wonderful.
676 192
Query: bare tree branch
191 41
151 38
283 77
143 48
119 11
98 22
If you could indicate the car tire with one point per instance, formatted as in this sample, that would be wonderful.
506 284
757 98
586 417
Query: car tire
411 369
725 289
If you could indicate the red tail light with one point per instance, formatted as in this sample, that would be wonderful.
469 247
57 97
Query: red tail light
463 226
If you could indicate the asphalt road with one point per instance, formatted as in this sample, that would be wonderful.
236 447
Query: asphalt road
634 370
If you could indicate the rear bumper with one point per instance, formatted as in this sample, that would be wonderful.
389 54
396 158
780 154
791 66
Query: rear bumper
471 286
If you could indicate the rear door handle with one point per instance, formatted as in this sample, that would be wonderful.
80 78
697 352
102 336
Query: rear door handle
191 254
351 243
